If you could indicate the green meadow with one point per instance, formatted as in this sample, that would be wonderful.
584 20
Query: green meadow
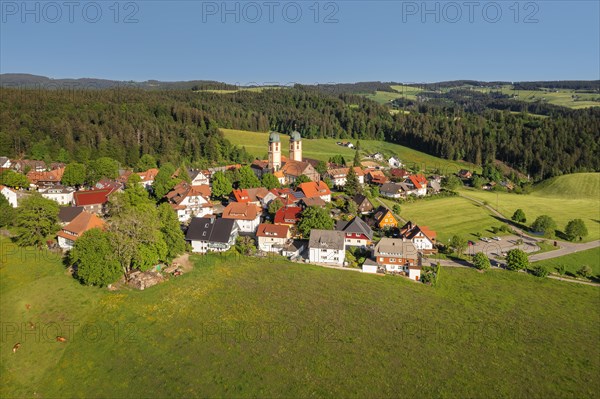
245 327
574 262
562 97
256 143
451 216
563 198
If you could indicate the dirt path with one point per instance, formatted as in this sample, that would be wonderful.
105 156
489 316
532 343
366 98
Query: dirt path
184 263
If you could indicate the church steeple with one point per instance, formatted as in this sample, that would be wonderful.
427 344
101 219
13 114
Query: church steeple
296 146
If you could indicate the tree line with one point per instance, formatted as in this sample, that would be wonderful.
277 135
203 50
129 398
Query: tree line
183 126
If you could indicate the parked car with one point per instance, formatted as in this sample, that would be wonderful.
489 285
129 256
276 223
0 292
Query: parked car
485 239
497 238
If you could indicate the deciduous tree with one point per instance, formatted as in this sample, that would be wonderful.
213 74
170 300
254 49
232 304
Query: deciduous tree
481 261
37 220
519 216
74 174
221 186
544 224
314 218
516 259
576 229
94 258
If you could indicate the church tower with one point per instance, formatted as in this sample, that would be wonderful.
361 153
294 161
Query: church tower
296 146
274 152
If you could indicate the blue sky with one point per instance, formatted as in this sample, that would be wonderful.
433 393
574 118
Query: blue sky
360 41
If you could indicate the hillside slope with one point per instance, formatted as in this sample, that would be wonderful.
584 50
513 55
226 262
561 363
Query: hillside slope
576 185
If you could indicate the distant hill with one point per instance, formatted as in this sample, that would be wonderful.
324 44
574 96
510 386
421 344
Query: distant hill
27 81
573 186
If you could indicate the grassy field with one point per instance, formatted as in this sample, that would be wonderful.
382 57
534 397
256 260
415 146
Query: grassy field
465 218
574 262
322 149
564 198
384 97
254 328
563 97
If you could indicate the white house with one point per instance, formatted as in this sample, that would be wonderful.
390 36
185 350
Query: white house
11 195
199 177
211 234
370 266
5 163
60 194
422 237
395 162
190 201
327 246
79 225
338 176
272 237
246 215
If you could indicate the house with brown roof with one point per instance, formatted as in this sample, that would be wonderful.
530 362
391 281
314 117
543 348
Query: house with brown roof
80 224
292 170
246 215
147 177
272 237
190 201
45 178
259 196
376 177
93 201
364 204
422 237
383 218
394 190
22 165
315 189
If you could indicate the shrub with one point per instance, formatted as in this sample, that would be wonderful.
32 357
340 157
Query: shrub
539 271
585 271
481 261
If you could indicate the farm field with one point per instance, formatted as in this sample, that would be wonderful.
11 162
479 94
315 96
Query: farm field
563 198
322 149
575 261
563 97
384 97
254 328
450 216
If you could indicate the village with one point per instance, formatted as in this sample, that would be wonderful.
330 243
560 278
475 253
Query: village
362 232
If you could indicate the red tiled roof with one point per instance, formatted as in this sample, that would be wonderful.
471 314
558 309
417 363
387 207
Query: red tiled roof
272 230
49 176
91 197
240 211
83 222
148 175
241 195
419 181
288 215
313 189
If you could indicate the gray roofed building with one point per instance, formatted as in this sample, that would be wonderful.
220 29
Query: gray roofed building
396 247
394 190
326 239
356 226
68 213
211 234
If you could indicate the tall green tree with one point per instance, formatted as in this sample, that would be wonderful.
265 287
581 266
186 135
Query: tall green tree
94 258
248 178
136 238
314 218
146 162
352 186
13 179
576 229
269 181
519 216
164 181
321 167
104 167
171 231
459 243
356 161
516 259
221 185
545 225
74 175
37 220
452 182
7 212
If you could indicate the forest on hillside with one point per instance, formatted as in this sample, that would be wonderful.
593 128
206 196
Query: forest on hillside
182 126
